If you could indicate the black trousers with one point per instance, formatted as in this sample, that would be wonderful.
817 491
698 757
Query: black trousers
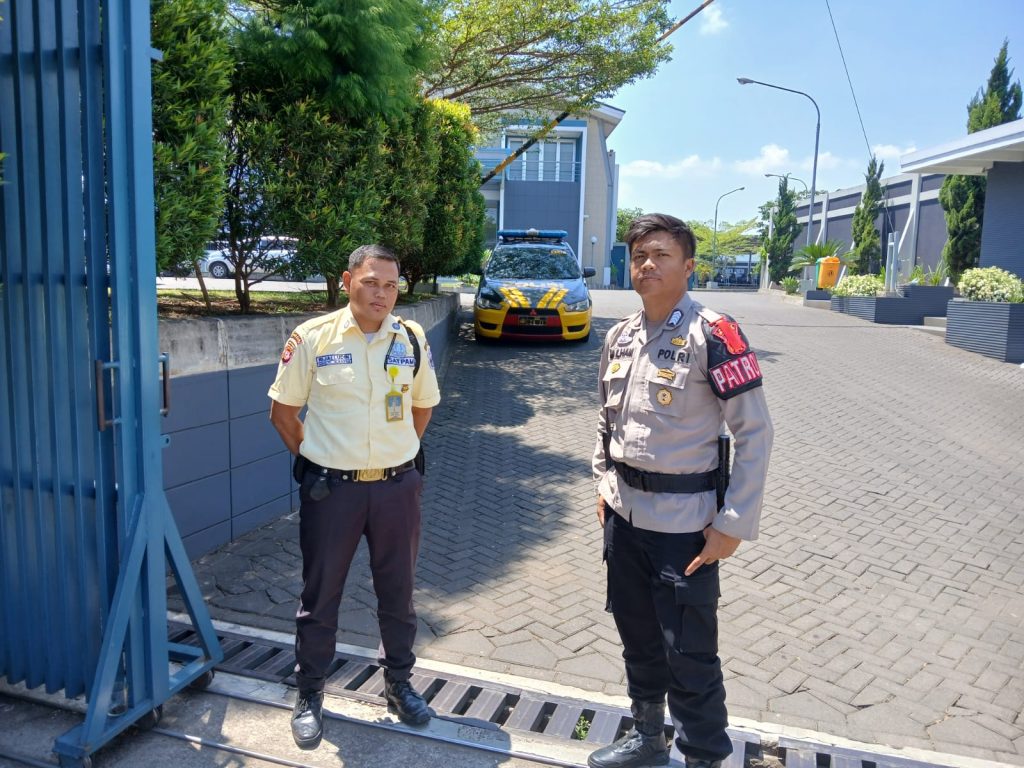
387 512
668 623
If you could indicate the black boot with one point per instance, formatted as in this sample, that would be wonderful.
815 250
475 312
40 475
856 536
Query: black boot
643 744
693 762
405 702
308 720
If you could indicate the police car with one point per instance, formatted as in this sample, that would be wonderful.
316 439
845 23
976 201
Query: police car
533 288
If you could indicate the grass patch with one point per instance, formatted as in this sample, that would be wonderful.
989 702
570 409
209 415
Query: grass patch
186 302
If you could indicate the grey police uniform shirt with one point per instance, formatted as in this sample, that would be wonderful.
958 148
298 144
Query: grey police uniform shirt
662 415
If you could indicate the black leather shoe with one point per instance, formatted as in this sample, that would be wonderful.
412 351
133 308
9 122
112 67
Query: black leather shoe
631 751
308 720
406 703
693 762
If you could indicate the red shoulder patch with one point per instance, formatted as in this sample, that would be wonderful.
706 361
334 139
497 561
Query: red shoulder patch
729 332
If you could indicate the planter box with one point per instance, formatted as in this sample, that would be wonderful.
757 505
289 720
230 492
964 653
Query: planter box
932 299
888 310
818 295
916 303
994 329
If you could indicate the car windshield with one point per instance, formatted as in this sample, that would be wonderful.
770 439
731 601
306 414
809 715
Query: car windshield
534 262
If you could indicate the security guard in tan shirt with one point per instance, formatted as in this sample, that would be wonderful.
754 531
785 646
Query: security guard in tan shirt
368 400
670 376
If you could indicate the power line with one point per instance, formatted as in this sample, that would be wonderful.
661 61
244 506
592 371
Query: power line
848 78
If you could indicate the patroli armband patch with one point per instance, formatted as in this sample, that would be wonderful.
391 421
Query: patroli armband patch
732 364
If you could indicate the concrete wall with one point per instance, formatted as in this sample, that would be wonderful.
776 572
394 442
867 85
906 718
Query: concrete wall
1002 233
225 469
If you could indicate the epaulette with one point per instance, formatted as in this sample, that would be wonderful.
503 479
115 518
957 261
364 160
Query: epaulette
732 364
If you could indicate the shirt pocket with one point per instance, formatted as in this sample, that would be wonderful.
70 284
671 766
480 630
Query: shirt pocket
667 390
333 375
615 382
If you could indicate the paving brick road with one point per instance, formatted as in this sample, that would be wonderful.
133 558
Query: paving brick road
882 603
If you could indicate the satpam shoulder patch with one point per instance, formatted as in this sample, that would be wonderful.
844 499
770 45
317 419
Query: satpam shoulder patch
732 364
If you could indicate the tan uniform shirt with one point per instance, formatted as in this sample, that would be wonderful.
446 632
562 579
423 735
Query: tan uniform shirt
663 416
328 366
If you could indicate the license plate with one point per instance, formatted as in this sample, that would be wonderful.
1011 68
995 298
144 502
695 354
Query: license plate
533 321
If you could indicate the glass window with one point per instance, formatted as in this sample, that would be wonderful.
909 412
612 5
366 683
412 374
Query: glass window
549 171
536 262
567 160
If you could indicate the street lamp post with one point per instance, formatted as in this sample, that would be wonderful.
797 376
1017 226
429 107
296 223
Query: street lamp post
787 176
817 132
714 236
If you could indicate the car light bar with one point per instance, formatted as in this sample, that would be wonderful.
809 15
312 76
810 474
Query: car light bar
532 234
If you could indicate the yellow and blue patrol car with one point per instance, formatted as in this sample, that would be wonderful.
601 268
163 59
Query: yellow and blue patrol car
533 288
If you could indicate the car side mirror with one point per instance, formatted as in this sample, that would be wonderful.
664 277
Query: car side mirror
589 271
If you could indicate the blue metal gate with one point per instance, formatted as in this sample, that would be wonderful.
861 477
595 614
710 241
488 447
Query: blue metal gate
86 536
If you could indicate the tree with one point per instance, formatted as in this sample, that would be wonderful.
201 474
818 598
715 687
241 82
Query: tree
623 218
867 244
963 197
191 88
352 57
809 255
249 217
531 58
779 247
455 216
410 169
332 188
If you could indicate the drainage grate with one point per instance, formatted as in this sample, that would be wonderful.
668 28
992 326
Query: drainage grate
495 706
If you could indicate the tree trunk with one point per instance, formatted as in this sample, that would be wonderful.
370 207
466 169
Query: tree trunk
332 291
202 284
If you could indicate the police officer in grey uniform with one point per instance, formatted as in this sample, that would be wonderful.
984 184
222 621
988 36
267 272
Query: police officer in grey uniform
670 376
368 399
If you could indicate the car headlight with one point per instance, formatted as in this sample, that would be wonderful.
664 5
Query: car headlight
578 306
488 302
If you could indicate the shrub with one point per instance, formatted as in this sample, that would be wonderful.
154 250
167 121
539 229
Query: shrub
991 284
791 284
860 285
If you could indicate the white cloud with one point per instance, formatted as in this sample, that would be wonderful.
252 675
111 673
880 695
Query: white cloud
891 151
772 159
652 169
712 22
826 162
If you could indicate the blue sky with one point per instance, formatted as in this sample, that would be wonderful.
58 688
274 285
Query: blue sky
691 132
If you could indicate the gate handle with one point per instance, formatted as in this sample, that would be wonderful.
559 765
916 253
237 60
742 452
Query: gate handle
101 398
165 374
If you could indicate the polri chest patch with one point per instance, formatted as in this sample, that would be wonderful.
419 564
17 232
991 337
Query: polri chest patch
342 358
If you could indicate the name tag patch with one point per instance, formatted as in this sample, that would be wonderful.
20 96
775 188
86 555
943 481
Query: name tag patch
737 372
408 362
344 358
678 355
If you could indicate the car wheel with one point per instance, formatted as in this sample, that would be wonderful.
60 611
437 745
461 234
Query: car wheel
218 269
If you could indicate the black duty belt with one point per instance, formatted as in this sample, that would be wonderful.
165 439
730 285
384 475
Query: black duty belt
661 482
359 475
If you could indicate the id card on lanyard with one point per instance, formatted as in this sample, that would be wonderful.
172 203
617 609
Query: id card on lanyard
394 406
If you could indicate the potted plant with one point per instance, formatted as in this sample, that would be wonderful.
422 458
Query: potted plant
989 316
930 290
856 287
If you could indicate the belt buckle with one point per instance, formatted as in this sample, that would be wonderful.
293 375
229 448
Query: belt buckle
369 475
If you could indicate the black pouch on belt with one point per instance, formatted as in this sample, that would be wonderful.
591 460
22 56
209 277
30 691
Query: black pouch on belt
299 468
420 462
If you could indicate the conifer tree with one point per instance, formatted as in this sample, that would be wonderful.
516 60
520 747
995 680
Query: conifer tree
867 246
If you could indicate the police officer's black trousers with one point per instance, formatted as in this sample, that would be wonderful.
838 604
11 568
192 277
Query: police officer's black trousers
387 512
669 628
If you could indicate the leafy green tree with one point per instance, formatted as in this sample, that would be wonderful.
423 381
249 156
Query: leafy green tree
410 167
352 57
255 145
528 57
623 218
190 106
732 239
963 197
779 247
454 234
867 244
332 188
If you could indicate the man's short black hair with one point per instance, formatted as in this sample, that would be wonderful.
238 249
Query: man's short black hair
678 229
364 252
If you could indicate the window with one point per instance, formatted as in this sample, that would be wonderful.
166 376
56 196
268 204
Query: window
546 160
